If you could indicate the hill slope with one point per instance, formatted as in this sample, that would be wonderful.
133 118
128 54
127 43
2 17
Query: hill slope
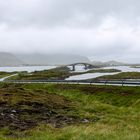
8 59
52 59
108 63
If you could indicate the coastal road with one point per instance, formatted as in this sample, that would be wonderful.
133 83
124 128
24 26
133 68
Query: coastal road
6 77
87 82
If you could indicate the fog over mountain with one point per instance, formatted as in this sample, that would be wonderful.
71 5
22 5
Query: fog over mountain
52 59
8 59
102 29
109 63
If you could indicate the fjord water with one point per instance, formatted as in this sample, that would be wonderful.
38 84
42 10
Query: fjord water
89 76
95 75
26 68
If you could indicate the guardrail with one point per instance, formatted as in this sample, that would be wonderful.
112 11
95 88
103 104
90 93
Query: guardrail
104 82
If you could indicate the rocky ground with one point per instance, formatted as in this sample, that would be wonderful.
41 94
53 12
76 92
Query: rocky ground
22 109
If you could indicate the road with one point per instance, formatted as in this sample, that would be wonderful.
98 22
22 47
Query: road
87 82
109 82
6 77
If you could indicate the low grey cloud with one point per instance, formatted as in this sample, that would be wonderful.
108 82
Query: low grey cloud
102 29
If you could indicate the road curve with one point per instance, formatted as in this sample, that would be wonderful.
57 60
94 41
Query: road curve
6 77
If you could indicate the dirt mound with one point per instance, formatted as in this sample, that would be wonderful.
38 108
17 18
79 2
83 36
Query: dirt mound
22 109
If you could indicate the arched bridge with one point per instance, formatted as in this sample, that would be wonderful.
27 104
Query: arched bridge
86 65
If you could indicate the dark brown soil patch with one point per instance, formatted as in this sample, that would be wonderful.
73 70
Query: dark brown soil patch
22 109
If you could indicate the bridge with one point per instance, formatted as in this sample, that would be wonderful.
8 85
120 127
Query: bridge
86 65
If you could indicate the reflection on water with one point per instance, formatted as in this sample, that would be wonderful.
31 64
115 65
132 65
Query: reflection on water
88 76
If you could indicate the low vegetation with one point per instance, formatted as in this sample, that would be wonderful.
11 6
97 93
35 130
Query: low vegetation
137 66
123 75
4 74
53 74
98 71
69 112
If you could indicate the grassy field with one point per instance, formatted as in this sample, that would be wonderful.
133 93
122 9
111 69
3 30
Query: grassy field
53 74
123 75
69 112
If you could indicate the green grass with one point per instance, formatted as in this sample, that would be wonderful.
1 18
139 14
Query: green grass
4 74
136 66
113 112
123 75
53 74
103 71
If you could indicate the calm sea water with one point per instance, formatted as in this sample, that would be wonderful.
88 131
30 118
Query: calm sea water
88 76
95 75
26 68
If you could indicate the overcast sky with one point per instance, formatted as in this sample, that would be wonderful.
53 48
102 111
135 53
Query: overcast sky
101 29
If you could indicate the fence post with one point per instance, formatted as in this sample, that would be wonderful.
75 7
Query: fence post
105 82
122 83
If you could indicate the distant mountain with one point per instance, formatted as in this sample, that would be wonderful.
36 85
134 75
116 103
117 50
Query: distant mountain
52 59
114 63
108 63
8 59
97 63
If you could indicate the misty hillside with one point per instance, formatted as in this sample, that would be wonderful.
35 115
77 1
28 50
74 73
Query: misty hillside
54 59
114 63
108 63
8 59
